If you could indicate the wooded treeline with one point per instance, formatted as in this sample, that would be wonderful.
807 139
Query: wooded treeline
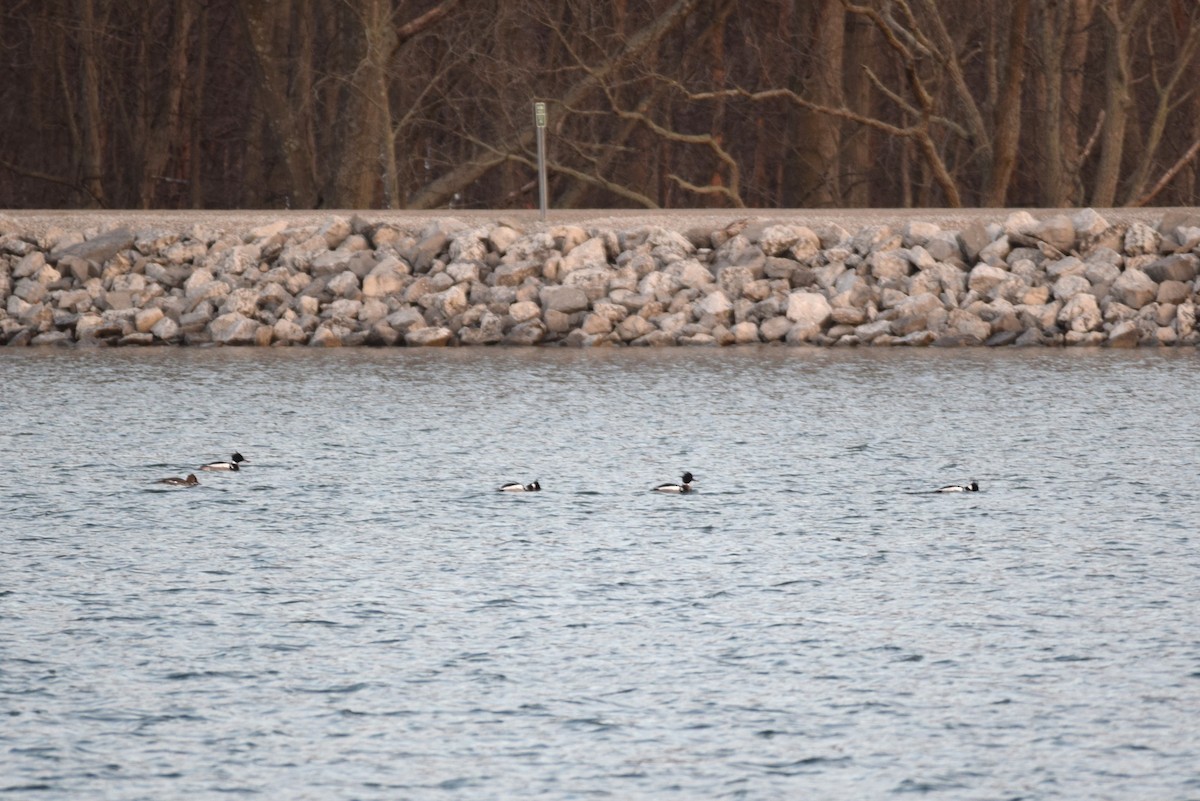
653 103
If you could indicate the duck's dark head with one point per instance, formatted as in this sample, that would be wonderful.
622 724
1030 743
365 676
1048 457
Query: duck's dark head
688 478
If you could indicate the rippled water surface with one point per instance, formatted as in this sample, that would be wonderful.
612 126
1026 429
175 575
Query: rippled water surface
360 615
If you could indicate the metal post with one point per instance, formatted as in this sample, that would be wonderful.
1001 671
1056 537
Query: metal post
539 119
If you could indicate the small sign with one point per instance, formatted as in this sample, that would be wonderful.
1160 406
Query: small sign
539 114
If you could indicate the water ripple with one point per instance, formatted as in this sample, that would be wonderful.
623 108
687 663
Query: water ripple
359 614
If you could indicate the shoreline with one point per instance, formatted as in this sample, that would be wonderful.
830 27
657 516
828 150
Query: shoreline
588 278
241 221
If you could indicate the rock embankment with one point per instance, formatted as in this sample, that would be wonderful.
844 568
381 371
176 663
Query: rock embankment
1065 279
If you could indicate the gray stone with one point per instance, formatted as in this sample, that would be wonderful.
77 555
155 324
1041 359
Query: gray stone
1088 223
501 237
1124 335
1002 339
489 332
745 333
1069 286
667 246
29 265
405 319
634 327
973 239
774 329
98 249
287 332
594 280
1180 267
30 290
591 253
996 252
1173 292
528 333
328 335
1020 223
166 329
1185 318
514 273
1068 265
564 299
381 335
984 278
918 339
1057 231
137 338
344 285
524 310
888 264
187 251
233 329
80 269
945 247
335 231
716 304
52 338
145 320
967 325
1134 288
1030 338
691 273
655 339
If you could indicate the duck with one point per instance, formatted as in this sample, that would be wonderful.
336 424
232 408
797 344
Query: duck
516 486
972 487
233 464
190 481
686 486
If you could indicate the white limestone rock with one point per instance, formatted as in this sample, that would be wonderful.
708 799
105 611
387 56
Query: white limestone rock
1080 313
1142 240
809 308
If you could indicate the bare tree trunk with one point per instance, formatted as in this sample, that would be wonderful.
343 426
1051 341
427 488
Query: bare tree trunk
1007 124
1118 29
262 19
195 169
1053 187
367 41
166 121
820 134
857 158
90 124
1078 23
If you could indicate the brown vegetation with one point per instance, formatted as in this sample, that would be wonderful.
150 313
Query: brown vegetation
425 104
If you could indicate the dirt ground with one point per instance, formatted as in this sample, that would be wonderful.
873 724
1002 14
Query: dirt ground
38 222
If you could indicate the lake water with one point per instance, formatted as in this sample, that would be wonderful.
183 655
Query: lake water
358 614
